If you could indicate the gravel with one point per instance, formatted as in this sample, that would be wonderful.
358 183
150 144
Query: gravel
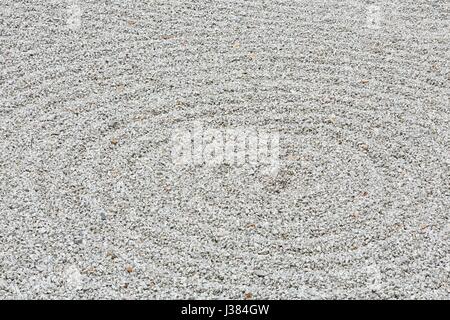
355 201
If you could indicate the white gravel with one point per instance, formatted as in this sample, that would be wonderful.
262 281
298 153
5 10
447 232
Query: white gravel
93 206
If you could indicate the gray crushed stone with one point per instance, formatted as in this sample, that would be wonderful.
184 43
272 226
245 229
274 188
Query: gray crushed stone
93 207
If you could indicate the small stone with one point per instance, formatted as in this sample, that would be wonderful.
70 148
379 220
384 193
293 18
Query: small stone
89 270
364 146
103 215
331 120
41 267
180 103
114 125
111 254
3 284
260 273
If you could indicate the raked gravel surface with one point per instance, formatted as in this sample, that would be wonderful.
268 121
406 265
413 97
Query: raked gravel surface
92 204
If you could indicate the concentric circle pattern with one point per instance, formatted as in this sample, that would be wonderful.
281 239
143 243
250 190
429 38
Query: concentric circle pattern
92 205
